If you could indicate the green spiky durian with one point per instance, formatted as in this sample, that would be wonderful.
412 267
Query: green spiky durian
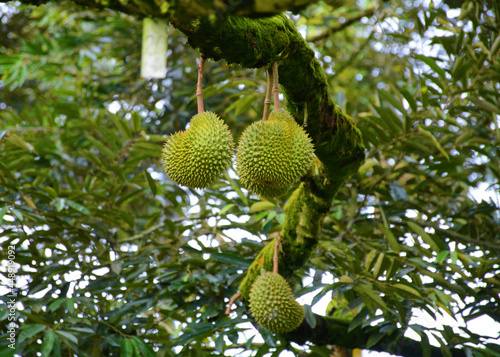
198 156
272 155
272 304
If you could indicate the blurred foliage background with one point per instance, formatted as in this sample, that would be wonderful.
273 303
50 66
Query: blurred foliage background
116 260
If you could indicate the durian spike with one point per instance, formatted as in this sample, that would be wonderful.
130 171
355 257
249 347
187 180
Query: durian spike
199 89
275 257
231 302
276 90
267 100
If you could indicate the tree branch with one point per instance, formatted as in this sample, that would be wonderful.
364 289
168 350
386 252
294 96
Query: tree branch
335 331
340 26
188 9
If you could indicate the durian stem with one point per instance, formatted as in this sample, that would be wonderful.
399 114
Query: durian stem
231 302
267 100
276 257
276 90
199 89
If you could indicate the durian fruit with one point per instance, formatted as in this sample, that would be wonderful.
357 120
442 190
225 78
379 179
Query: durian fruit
198 156
273 154
272 304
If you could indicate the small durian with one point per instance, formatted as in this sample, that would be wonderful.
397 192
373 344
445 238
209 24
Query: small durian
272 304
272 155
198 156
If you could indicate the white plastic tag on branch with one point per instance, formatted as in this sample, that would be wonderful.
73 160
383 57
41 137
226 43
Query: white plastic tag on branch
154 49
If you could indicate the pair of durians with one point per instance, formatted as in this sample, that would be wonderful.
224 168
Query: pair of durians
272 154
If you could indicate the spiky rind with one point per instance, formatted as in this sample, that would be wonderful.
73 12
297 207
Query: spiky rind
198 156
273 154
272 304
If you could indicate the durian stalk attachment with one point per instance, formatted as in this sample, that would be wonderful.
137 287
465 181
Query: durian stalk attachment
199 87
276 89
197 157
271 300
267 99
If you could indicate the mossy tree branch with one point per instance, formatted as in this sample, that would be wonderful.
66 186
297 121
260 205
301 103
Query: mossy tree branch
188 9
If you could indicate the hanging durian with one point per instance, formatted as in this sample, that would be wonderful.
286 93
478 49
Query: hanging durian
198 156
272 304
273 154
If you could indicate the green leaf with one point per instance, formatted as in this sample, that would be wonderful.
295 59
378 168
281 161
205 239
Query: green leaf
7 172
373 339
19 142
151 183
127 349
434 141
261 206
70 305
136 121
408 289
391 239
7 352
228 258
226 208
367 292
409 98
78 207
219 343
268 337
69 336
431 62
310 316
48 343
56 303
424 235
101 147
424 342
61 203
122 125
442 256
3 211
270 217
146 349
378 265
28 331
396 103
391 121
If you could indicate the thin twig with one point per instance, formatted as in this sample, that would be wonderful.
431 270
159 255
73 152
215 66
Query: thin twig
267 100
276 90
231 302
340 26
199 89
